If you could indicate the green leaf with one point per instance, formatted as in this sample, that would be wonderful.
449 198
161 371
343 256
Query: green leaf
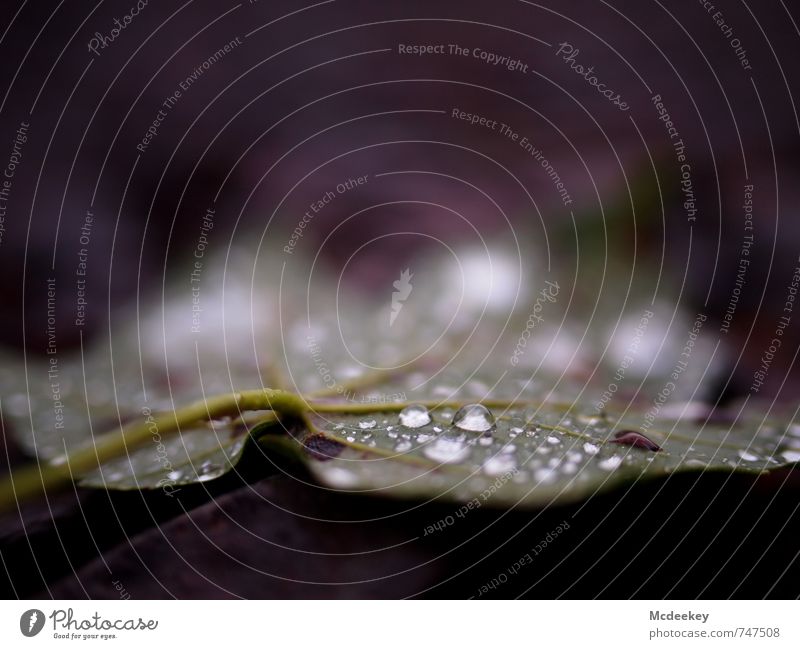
539 451
553 438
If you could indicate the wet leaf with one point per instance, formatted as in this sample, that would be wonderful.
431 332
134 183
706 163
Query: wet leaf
550 435
537 452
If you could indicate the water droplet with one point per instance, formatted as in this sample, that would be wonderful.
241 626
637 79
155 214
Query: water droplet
499 464
610 463
422 438
367 423
590 448
545 475
415 416
402 446
475 418
447 451
748 457
693 462
791 456
208 471
633 438
552 439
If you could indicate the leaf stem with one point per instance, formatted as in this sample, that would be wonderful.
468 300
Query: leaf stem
39 478
36 479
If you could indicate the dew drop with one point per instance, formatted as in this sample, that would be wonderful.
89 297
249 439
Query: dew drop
748 457
366 424
591 449
402 446
499 464
475 418
447 451
694 463
791 456
632 438
610 463
415 416
545 475
208 471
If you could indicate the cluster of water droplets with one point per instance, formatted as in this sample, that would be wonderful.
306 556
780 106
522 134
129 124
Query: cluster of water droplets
528 446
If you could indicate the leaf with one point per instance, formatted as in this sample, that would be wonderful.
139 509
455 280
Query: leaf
441 347
197 455
547 452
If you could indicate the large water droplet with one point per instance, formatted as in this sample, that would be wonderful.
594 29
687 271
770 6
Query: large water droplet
475 418
447 451
748 457
415 416
367 424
